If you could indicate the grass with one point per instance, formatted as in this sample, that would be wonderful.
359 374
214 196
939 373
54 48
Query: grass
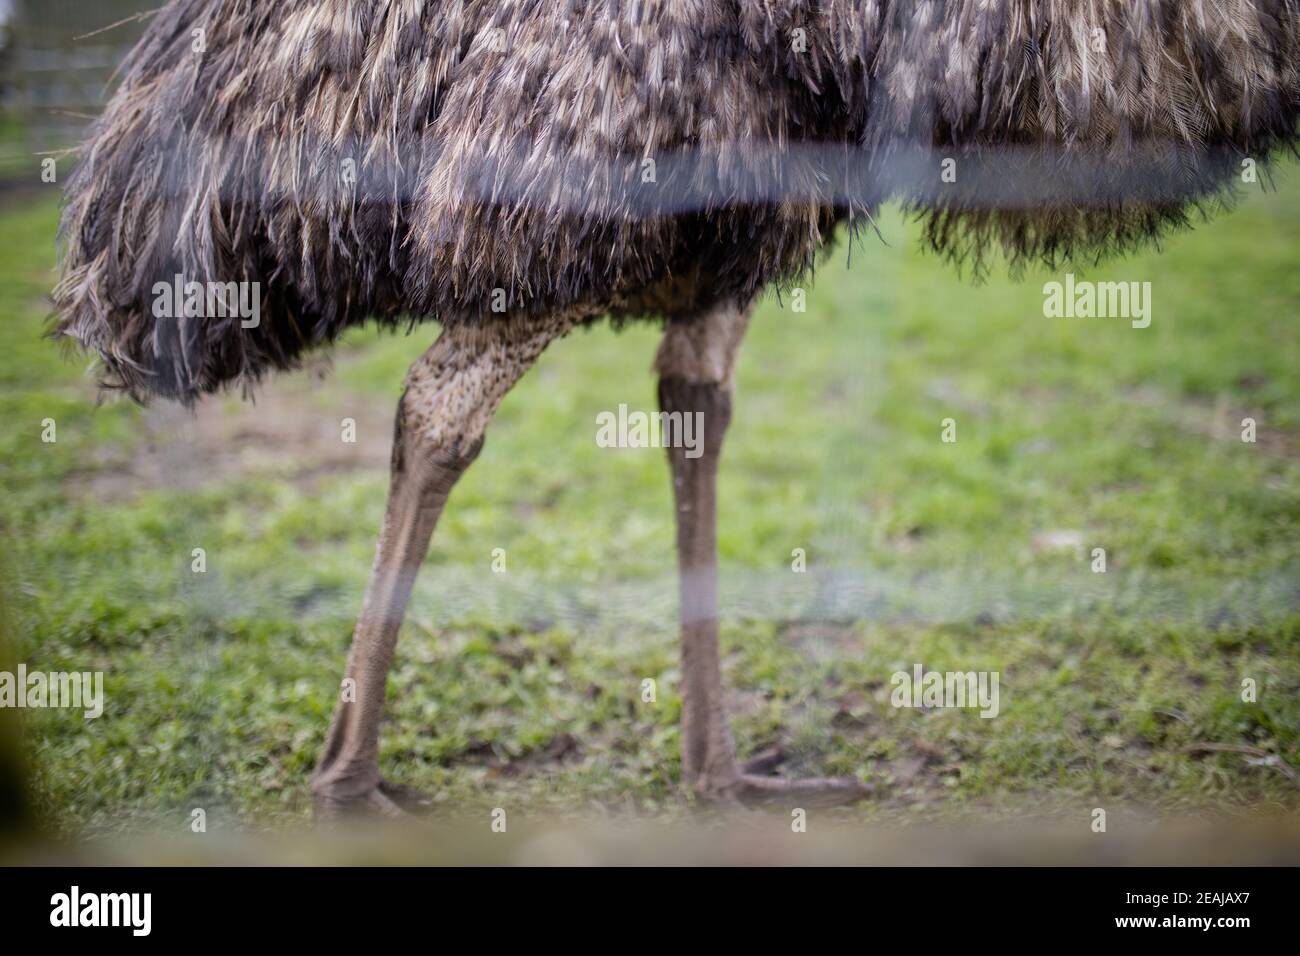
523 689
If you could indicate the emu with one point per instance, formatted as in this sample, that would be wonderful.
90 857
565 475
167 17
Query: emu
515 169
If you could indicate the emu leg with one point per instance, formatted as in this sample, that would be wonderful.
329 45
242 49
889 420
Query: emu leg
451 393
696 364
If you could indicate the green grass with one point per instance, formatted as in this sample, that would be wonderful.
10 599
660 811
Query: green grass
523 689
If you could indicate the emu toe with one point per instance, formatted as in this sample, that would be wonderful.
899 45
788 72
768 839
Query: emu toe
387 801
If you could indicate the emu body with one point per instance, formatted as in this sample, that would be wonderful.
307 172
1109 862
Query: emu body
513 169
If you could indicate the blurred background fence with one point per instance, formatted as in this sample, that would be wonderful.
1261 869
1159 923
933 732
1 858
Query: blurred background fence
56 69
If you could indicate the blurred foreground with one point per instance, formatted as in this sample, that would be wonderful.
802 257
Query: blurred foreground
742 839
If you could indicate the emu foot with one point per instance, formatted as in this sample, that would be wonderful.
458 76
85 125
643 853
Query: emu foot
751 784
385 801
811 791
756 786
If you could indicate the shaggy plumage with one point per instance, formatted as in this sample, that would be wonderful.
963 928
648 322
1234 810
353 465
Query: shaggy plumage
431 159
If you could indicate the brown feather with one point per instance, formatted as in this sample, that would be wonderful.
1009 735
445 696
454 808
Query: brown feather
499 145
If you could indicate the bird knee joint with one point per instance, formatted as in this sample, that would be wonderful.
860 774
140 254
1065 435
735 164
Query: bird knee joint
438 447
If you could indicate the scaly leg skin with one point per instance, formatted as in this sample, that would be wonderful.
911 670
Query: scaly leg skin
696 365
451 393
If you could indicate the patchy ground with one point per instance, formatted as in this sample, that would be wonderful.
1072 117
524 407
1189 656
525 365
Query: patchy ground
524 689
295 429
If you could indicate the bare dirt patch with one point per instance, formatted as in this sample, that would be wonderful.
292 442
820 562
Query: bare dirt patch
1220 421
295 429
